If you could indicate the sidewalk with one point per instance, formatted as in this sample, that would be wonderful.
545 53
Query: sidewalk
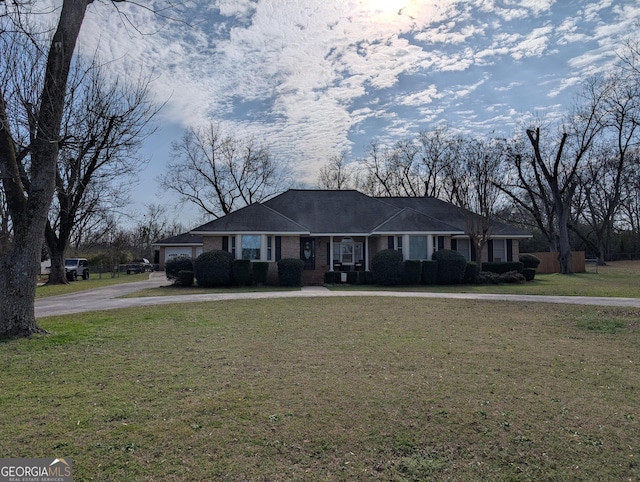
107 298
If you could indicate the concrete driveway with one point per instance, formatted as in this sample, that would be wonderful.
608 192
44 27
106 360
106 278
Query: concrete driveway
107 298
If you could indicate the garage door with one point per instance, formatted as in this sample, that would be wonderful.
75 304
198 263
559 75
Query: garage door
177 251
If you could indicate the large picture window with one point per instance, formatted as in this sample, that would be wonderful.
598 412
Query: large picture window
499 250
418 247
251 246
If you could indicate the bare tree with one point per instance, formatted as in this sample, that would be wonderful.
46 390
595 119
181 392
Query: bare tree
438 149
220 173
473 182
103 128
525 185
29 186
335 174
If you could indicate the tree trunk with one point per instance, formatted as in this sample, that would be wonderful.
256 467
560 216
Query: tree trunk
29 204
564 245
58 275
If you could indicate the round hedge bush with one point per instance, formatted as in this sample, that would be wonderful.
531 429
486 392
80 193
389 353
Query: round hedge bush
387 267
173 266
529 260
214 268
451 266
290 272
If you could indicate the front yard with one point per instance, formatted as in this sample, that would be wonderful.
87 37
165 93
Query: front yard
369 388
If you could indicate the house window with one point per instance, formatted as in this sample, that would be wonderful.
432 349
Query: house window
251 246
463 246
399 243
347 251
499 250
269 248
233 246
418 247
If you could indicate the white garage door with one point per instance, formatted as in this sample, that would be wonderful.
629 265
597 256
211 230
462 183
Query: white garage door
176 251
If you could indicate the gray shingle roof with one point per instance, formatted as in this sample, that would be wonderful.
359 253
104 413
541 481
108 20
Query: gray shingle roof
257 218
324 212
183 239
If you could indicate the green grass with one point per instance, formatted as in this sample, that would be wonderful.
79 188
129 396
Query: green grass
368 388
95 281
617 279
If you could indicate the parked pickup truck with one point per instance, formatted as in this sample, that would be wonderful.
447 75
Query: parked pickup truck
139 265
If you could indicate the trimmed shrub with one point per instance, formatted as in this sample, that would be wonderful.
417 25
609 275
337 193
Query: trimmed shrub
488 278
332 277
429 272
529 260
290 272
512 277
185 278
451 266
412 272
259 271
365 277
471 272
529 273
387 267
214 268
352 277
174 265
503 267
241 272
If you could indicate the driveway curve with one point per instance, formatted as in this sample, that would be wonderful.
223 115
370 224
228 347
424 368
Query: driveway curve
108 298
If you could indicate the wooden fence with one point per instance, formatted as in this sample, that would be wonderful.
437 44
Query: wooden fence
549 262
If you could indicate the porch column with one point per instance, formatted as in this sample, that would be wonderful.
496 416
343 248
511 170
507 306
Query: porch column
366 253
429 245
330 260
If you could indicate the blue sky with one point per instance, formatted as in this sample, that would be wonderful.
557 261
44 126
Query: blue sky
313 78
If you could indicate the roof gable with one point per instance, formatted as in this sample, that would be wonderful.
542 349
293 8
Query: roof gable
256 218
325 211
411 221
454 215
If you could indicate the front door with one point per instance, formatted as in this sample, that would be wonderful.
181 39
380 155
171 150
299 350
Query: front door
308 252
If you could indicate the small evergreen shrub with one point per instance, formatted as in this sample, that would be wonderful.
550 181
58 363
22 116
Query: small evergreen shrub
387 267
260 270
503 267
471 272
241 272
429 272
412 272
185 278
529 260
488 278
174 265
214 268
352 277
529 273
512 277
451 266
365 277
290 272
332 277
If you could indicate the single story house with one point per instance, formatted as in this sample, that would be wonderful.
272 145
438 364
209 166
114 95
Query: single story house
185 244
342 230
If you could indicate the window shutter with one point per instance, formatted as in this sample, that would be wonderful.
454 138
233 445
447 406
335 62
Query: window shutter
225 243
440 242
509 249
454 244
278 248
474 257
390 244
490 250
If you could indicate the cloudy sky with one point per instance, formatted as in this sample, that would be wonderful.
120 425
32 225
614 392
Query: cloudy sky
312 78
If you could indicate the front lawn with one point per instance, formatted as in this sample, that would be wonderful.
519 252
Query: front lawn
369 388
